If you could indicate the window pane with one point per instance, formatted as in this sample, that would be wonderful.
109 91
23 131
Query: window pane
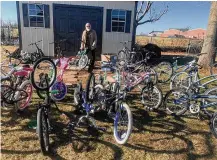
31 6
114 24
115 18
32 12
122 18
121 24
120 29
115 12
122 13
32 18
39 7
39 12
33 21
39 19
40 24
114 29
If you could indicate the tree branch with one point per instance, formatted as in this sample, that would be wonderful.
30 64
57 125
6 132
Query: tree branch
140 10
157 17
148 6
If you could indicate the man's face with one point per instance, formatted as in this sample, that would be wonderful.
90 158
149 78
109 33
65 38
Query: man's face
88 27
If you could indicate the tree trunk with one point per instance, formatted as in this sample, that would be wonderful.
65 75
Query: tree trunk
210 41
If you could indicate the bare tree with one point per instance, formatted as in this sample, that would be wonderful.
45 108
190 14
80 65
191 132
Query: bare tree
210 41
145 8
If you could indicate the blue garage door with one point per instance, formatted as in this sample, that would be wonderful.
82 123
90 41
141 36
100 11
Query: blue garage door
69 23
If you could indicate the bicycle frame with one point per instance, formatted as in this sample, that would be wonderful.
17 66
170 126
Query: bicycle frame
198 82
185 67
63 64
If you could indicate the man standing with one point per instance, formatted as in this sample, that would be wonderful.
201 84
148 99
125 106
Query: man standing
89 41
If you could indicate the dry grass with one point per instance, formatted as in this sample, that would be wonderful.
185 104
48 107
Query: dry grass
156 136
166 42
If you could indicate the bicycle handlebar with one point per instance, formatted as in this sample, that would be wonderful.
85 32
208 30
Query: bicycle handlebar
125 42
58 42
34 43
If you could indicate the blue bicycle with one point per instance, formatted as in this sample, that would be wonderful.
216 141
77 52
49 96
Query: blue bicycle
108 99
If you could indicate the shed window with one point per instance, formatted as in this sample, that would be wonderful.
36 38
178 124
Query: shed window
118 20
36 15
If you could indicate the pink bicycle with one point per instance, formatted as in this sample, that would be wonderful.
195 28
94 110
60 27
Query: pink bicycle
62 63
18 92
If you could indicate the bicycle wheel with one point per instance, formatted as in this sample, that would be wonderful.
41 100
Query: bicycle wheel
42 129
153 74
164 71
136 57
27 87
121 56
83 61
42 67
213 69
213 125
78 95
123 123
151 97
180 80
176 102
62 91
90 87
212 108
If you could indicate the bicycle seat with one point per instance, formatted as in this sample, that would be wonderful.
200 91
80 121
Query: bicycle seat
28 69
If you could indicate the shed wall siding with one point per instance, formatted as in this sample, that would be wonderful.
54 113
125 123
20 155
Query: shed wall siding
110 40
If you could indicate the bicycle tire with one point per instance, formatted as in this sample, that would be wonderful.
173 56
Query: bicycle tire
78 97
170 71
174 80
158 94
42 125
54 71
118 138
154 76
18 105
83 61
213 125
91 78
207 92
184 107
121 56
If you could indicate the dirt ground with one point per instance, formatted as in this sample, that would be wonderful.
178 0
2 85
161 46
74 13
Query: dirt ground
155 135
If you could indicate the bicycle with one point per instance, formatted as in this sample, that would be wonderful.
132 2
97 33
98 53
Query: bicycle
32 57
135 75
16 93
62 63
113 103
38 78
192 93
125 54
190 74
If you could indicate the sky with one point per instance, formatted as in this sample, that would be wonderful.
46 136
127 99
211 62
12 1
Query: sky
179 15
